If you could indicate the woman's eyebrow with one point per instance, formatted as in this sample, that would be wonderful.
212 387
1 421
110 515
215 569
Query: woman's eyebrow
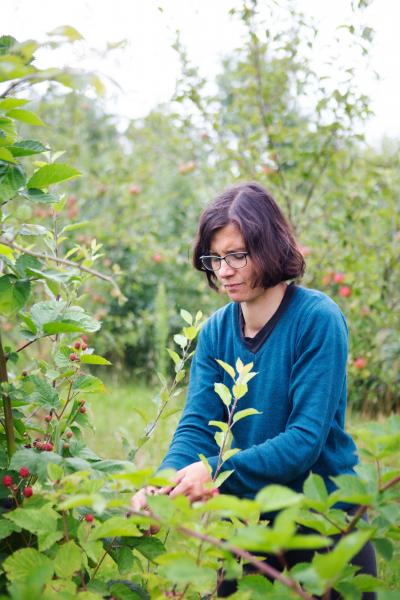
233 251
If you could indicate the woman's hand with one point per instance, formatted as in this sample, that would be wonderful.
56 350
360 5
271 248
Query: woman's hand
190 482
139 504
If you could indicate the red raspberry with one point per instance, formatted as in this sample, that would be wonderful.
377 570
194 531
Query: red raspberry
24 472
48 418
89 518
7 480
84 346
65 445
69 434
48 446
27 492
77 345
84 338
82 409
73 356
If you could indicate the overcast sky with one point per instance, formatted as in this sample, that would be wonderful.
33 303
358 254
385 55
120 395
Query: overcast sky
147 68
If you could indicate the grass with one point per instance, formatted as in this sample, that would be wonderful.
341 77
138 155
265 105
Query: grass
123 413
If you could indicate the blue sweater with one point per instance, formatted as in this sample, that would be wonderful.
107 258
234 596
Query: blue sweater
300 389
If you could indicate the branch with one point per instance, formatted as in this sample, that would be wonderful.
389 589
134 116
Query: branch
8 416
62 261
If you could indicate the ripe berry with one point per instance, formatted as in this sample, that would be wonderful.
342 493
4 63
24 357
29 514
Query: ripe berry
84 346
82 401
345 291
48 418
7 480
69 434
89 518
84 338
27 492
65 445
77 345
24 472
48 446
73 356
82 409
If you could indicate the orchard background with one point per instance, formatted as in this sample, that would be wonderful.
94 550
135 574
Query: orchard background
97 227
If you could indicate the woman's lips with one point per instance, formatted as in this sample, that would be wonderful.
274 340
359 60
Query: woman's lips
232 286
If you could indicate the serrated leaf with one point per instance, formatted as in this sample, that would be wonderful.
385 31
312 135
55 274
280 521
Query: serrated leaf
36 195
24 563
14 294
93 359
316 492
12 179
52 174
224 393
25 116
247 412
88 384
230 370
115 526
239 390
44 394
7 156
68 559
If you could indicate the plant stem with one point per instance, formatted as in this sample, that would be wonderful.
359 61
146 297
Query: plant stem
62 261
8 417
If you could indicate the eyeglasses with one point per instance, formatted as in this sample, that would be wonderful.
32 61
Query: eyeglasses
236 260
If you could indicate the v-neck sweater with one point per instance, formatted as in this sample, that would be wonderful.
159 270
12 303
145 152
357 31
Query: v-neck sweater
299 389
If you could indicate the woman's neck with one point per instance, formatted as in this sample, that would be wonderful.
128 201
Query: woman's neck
258 311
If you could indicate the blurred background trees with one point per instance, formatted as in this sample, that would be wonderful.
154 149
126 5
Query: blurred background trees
272 118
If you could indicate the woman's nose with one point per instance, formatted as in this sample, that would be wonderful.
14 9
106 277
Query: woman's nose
225 269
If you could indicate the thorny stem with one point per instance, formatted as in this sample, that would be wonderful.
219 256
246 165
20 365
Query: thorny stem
62 261
8 417
65 523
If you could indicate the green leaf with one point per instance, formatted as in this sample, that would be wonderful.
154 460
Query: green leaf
12 179
6 251
61 327
24 263
276 497
26 116
180 340
329 566
351 489
55 472
229 453
256 587
6 528
239 390
247 412
190 332
9 103
66 31
36 195
27 148
230 370
14 294
384 547
150 547
220 424
93 359
224 393
35 520
182 569
51 174
68 559
222 477
175 356
44 394
88 384
186 316
116 526
6 155
25 562
316 493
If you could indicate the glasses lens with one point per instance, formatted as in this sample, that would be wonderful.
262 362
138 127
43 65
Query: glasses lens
237 260
211 263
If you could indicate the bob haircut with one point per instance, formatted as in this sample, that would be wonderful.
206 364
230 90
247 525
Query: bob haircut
268 236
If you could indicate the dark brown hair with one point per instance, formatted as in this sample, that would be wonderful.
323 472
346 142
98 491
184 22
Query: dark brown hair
267 234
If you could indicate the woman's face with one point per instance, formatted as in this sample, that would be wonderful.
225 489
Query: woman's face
236 282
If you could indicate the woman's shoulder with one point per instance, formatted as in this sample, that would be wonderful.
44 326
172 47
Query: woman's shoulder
222 318
314 305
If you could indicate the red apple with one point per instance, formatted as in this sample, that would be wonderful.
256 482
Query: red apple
345 291
360 362
338 277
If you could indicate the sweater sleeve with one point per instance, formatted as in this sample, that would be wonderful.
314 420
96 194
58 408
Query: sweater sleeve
317 379
194 435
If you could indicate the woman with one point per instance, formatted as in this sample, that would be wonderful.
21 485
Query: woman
297 340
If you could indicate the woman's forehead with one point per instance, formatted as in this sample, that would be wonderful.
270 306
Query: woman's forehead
227 239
